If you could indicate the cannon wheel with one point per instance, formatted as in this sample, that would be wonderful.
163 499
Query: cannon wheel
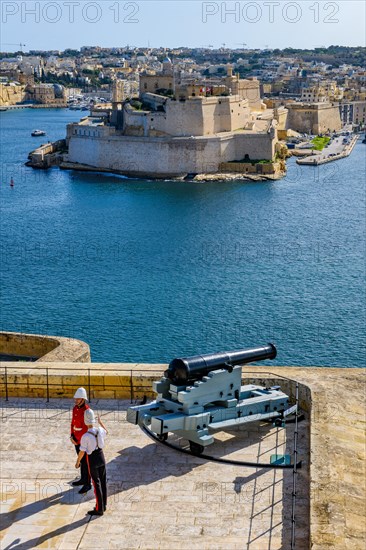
162 437
195 448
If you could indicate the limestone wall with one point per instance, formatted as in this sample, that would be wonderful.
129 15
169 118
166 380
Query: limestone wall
164 156
256 146
194 117
246 89
44 348
11 95
248 168
314 118
151 83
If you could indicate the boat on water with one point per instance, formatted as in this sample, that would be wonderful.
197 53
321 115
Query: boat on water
3 108
37 133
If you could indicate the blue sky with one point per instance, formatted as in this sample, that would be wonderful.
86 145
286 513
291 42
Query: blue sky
47 24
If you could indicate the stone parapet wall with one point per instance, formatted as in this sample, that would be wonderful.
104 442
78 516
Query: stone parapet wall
44 348
102 380
47 155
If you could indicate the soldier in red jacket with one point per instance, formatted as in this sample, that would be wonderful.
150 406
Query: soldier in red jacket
78 429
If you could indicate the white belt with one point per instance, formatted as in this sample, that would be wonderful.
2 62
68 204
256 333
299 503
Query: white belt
77 429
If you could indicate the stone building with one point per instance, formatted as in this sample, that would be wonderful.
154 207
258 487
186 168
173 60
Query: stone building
176 127
197 116
359 113
314 118
46 94
322 92
183 88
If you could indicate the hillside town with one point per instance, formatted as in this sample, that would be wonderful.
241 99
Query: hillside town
233 111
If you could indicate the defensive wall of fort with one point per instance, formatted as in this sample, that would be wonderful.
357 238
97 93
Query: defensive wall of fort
196 117
315 118
102 147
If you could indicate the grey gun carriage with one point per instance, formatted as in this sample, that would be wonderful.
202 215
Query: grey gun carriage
198 395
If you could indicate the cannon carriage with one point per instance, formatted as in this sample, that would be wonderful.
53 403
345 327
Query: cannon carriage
198 395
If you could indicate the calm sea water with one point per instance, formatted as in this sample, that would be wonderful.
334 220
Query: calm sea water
146 271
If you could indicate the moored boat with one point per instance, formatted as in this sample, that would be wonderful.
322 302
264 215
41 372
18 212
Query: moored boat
37 133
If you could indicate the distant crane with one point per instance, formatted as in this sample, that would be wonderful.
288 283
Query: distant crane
242 44
20 45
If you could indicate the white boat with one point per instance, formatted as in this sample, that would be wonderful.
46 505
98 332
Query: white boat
37 133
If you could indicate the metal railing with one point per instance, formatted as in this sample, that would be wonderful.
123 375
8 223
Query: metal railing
294 452
131 387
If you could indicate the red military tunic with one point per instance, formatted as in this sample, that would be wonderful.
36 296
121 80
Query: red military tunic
78 427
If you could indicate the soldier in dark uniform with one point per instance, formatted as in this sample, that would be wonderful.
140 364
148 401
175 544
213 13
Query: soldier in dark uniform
78 429
91 446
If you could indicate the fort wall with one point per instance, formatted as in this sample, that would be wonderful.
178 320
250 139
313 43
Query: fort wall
165 156
11 95
196 117
316 118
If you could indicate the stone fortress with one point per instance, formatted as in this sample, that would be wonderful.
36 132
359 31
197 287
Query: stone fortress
177 127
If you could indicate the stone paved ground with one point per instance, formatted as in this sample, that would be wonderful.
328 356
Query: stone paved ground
159 498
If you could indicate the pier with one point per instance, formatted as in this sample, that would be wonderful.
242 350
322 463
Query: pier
47 155
32 106
330 156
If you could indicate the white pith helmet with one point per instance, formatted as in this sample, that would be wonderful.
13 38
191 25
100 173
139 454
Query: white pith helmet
89 417
81 394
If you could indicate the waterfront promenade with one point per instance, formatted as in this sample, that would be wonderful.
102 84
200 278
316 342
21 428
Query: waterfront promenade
335 151
161 499
33 106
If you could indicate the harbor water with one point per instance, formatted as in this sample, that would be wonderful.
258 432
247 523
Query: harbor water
144 271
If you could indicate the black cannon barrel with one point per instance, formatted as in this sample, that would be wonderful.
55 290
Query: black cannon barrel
188 369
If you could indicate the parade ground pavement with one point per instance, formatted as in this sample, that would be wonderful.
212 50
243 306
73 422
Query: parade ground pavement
159 498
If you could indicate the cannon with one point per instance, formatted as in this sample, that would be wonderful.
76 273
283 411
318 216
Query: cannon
200 394
181 371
